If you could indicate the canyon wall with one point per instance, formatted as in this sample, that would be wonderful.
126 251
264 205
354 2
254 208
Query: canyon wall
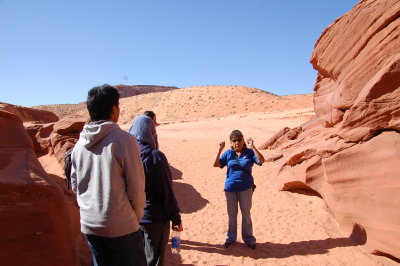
349 153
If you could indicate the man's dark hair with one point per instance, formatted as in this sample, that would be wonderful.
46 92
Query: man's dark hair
100 102
150 114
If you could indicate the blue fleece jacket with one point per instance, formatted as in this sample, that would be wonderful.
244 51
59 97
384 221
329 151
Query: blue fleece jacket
161 204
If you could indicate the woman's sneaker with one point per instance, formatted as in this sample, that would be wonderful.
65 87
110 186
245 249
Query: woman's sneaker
251 245
228 244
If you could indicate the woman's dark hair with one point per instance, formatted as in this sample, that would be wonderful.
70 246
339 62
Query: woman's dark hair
237 134
100 102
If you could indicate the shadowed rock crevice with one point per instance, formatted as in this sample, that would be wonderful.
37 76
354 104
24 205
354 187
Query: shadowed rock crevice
301 188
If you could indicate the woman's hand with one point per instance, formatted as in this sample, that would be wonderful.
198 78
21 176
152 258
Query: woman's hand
259 156
221 145
250 143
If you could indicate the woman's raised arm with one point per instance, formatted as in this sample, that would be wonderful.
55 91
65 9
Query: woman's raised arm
259 156
221 147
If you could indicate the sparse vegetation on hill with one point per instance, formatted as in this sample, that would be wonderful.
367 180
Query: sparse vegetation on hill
204 102
194 103
62 110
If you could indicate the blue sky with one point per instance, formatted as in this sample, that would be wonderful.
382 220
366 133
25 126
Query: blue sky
54 51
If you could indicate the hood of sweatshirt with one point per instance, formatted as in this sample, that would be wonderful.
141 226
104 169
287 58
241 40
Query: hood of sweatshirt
143 130
94 132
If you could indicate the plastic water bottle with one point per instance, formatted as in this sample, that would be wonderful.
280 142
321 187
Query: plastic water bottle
175 242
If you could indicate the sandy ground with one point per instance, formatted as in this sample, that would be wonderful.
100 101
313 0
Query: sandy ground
291 229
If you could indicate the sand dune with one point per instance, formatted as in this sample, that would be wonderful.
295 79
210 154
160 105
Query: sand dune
194 103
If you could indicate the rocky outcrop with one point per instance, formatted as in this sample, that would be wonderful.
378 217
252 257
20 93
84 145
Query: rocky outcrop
56 138
350 52
65 135
128 91
348 154
40 134
39 222
29 114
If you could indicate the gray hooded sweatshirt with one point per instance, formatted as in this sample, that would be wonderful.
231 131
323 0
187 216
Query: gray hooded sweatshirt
108 179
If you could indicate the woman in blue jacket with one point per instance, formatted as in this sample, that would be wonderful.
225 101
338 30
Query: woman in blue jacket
239 184
161 205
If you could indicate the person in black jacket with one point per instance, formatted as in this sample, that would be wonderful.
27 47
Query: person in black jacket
161 204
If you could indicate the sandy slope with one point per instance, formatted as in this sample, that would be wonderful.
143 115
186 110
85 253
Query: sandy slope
291 229
194 103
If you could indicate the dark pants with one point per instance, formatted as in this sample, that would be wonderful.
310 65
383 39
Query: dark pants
124 250
155 237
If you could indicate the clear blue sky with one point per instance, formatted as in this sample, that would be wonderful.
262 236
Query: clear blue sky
54 51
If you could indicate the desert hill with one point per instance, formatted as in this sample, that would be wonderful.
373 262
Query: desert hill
194 103
203 102
63 110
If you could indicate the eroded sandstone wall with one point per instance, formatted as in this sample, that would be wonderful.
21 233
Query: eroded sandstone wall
349 153
39 222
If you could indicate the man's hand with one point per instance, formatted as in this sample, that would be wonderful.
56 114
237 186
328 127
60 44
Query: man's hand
178 228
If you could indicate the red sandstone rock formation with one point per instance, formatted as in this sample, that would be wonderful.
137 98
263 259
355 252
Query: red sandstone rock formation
56 138
40 134
349 153
29 114
128 91
65 135
39 222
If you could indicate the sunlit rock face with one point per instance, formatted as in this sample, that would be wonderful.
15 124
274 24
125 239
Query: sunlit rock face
40 134
350 53
29 114
65 134
56 138
39 222
349 153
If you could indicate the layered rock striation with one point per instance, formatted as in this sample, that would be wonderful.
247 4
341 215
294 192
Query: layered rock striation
348 154
39 219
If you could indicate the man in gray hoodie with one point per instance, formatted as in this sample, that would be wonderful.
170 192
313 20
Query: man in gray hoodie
108 178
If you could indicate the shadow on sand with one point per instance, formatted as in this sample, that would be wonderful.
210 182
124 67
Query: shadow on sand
276 250
176 173
188 198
